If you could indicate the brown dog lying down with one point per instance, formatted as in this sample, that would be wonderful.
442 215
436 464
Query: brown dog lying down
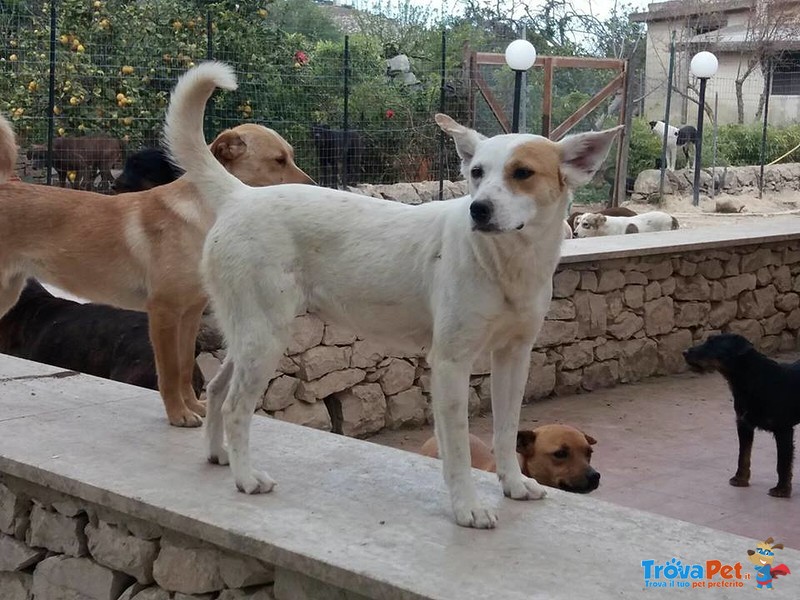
554 455
614 211
139 251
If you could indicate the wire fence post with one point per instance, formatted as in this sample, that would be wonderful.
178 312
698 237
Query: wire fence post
442 84
346 114
767 91
714 147
670 75
51 112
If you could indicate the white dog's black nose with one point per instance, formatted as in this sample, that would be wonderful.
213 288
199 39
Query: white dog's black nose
481 211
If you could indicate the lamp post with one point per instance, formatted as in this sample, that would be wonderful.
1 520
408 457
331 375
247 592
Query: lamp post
520 56
703 66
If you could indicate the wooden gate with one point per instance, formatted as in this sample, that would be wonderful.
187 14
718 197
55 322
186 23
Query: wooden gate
618 85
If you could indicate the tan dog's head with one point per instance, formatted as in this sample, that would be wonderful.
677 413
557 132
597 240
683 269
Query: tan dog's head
589 224
559 456
764 554
523 180
257 156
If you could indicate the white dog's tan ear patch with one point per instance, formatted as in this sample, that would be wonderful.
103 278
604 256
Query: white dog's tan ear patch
228 146
584 153
466 139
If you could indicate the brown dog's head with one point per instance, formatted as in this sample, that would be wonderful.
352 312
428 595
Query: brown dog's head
257 156
559 456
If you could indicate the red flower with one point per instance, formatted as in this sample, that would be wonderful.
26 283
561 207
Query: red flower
389 113
301 57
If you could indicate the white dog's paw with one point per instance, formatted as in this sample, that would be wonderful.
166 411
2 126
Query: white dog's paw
475 515
218 456
524 488
257 482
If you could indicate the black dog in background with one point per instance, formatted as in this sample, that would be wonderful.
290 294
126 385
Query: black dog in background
332 148
766 395
146 169
94 339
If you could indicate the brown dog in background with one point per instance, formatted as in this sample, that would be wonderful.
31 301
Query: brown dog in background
85 156
558 456
139 251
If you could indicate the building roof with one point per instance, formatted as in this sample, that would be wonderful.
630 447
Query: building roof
735 38
678 9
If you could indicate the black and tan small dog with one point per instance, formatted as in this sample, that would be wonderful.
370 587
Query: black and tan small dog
766 395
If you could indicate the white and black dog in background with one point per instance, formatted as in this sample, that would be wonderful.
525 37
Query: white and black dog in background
683 138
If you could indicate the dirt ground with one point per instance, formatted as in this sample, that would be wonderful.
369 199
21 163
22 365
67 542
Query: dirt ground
753 208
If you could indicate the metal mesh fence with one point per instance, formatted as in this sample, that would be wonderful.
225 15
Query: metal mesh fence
90 90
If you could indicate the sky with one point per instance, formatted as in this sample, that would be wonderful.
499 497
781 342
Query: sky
599 8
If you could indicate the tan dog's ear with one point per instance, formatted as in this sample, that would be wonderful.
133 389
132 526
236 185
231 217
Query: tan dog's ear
601 219
750 552
583 154
589 439
526 440
777 546
631 228
466 139
228 147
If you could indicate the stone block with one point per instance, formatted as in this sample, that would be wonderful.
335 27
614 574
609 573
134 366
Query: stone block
588 281
319 389
659 316
659 269
568 382
614 304
635 278
600 375
634 296
555 333
257 593
749 328
625 325
16 555
321 360
668 286
722 313
692 288
737 284
366 354
280 393
363 409
541 381
775 324
337 336
239 571
691 314
592 314
68 578
314 415
57 533
114 548
14 512
291 585
752 261
188 566
561 310
638 359
16 586
716 291
406 408
652 291
612 279
711 269
787 302
307 332
670 351
399 375
565 283
577 355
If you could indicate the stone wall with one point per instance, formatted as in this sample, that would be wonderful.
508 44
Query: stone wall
729 180
56 547
610 321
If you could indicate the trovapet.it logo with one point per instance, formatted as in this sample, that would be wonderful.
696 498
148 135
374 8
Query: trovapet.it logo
717 574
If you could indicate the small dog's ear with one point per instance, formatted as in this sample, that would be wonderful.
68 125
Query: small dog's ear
526 440
601 219
631 228
466 139
228 146
750 552
777 547
589 439
583 154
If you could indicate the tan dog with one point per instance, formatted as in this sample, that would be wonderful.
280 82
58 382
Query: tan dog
555 455
139 251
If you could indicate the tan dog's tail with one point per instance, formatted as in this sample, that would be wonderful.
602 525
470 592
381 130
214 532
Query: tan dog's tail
183 131
8 150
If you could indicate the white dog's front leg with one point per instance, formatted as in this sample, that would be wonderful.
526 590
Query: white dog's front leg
450 387
510 367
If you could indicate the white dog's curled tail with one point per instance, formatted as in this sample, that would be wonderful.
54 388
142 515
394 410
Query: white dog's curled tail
183 130
8 150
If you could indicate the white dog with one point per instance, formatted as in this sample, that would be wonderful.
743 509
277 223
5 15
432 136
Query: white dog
445 278
595 224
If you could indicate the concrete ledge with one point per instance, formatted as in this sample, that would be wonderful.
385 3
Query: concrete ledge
369 520
682 240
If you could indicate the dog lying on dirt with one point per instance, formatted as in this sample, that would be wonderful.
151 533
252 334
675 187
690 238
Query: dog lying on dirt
95 339
557 456
144 170
766 395
85 156
594 225
447 279
613 211
139 251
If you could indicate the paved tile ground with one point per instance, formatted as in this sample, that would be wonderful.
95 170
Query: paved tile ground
667 445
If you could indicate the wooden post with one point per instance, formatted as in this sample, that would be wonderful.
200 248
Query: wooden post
547 97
